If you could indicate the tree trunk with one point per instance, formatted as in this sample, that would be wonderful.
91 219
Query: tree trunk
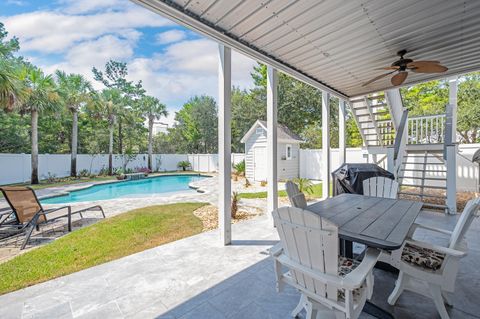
110 150
73 162
150 143
34 155
120 137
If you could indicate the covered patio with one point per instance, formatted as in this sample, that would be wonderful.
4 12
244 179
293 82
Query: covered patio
336 47
198 278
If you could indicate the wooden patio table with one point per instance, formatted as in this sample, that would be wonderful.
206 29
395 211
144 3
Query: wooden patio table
376 222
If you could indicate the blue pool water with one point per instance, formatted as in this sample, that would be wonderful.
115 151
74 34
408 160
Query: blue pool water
138 188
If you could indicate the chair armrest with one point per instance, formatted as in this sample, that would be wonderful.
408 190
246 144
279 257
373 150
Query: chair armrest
5 210
51 210
322 277
358 275
434 229
276 250
437 248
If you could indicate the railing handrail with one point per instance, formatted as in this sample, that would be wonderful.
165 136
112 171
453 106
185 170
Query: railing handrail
426 116
400 134
427 129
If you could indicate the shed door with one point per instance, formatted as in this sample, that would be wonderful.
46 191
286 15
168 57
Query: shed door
260 163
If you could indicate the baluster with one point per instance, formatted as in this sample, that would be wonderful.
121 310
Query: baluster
416 131
431 129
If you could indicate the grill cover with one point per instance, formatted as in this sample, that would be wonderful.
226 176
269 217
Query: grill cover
349 178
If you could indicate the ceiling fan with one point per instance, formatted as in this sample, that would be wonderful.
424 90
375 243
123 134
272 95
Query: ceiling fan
402 66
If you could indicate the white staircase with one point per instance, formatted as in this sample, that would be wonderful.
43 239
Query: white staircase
373 120
418 156
422 176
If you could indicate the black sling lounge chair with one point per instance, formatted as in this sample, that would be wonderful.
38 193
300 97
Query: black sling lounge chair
27 213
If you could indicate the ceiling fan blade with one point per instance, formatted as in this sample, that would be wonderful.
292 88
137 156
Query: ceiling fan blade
392 67
425 61
377 78
427 68
399 78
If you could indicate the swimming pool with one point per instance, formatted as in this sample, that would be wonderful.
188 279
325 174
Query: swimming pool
137 188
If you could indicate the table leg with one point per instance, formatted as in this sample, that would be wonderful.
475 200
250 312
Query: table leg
346 248
69 219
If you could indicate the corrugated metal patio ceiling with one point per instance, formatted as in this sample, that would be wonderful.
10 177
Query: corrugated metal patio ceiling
338 44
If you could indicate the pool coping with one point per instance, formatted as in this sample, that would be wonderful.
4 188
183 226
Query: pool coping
79 188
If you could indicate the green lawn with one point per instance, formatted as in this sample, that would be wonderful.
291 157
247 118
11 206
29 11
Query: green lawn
104 241
316 193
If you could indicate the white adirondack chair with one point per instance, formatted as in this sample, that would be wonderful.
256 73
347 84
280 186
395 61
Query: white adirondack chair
296 197
330 286
435 265
380 187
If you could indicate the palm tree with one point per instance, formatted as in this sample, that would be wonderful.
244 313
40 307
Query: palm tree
74 91
109 104
153 110
11 88
40 96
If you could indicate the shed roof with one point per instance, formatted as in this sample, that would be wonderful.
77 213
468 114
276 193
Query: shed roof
284 134
338 45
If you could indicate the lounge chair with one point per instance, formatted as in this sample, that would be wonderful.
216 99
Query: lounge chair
27 213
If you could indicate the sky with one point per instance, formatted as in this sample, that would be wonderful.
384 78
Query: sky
173 62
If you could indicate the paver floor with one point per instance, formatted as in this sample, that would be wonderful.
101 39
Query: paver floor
198 278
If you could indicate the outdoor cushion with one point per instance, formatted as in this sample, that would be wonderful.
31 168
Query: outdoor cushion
422 257
346 266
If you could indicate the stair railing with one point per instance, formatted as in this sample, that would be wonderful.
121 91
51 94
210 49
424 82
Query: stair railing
427 129
400 143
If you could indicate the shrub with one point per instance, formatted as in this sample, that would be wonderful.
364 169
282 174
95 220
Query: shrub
304 185
263 183
234 209
103 171
84 173
184 165
51 178
247 183
240 168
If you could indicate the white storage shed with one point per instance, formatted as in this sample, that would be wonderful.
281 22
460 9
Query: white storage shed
288 151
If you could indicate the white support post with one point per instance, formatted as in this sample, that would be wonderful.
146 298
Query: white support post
341 131
451 147
224 143
326 144
452 101
272 158
451 179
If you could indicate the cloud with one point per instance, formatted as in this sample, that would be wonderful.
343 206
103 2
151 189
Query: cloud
57 31
95 53
188 68
84 6
171 36
82 34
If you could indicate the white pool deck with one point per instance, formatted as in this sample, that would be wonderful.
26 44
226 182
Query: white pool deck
198 278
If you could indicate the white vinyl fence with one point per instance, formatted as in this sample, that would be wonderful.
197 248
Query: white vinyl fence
16 168
467 172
